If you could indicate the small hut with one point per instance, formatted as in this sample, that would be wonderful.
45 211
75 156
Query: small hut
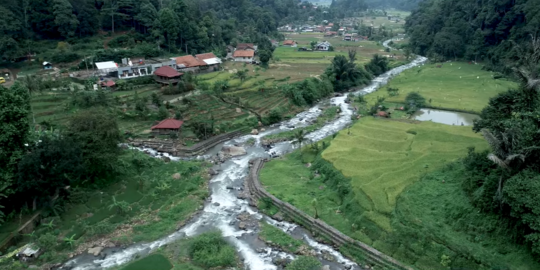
108 84
167 127
167 75
47 66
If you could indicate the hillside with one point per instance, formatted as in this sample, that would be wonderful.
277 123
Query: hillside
474 30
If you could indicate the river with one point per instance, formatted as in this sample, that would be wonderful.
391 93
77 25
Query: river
223 207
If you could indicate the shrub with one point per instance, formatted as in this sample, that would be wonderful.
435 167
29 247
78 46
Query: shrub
210 250
414 102
274 116
304 263
65 57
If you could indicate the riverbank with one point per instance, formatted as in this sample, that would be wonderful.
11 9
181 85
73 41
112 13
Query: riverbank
150 199
455 86
432 227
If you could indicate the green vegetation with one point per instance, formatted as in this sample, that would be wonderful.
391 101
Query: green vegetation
304 263
147 198
474 31
454 86
211 250
154 261
384 157
272 234
205 251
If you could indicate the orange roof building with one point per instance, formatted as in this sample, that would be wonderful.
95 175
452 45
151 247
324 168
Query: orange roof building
205 56
242 53
289 43
188 61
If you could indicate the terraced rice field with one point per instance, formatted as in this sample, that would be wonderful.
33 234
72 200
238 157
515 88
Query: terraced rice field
457 86
383 157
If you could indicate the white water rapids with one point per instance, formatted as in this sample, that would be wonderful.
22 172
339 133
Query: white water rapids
224 207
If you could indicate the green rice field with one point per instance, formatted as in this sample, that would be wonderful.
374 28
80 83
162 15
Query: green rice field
383 157
454 86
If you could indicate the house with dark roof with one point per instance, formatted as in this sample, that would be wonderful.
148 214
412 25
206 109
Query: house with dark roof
323 46
167 75
167 127
244 56
246 46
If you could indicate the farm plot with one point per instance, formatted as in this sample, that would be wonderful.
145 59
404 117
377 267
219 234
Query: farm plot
384 157
454 86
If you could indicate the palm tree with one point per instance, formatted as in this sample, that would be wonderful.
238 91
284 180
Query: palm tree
315 204
503 153
528 72
352 55
300 137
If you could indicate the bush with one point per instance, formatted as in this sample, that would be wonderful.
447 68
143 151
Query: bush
210 250
414 102
65 57
305 263
274 116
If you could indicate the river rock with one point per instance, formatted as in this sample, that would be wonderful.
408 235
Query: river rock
254 132
238 110
327 256
278 216
262 129
326 267
95 251
216 204
243 216
166 159
176 176
242 226
234 151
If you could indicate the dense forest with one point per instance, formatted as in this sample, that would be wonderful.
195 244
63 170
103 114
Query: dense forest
504 182
192 25
474 30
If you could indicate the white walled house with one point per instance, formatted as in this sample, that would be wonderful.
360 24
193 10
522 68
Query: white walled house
323 46
244 56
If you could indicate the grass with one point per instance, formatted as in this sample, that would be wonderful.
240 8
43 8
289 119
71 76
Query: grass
271 234
454 86
154 262
432 219
384 157
157 202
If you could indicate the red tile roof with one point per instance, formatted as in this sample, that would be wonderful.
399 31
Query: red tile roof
242 53
108 84
169 124
288 42
205 56
167 71
189 61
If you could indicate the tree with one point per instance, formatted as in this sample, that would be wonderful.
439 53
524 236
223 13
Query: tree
352 55
14 132
315 205
242 74
300 137
98 134
344 73
169 26
51 164
64 18
265 57
414 101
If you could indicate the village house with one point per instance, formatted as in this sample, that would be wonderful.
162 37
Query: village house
168 127
108 84
188 63
211 60
330 34
274 43
133 69
289 43
246 46
348 37
167 75
244 56
323 46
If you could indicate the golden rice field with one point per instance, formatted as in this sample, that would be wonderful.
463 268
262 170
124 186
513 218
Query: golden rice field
383 157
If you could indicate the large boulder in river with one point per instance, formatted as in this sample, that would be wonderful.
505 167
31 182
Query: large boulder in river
254 132
176 176
234 151
95 251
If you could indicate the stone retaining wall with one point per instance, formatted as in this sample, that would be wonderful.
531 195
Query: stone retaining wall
371 255
181 151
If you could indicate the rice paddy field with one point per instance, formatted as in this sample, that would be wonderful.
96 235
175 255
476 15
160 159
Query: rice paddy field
454 86
383 157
